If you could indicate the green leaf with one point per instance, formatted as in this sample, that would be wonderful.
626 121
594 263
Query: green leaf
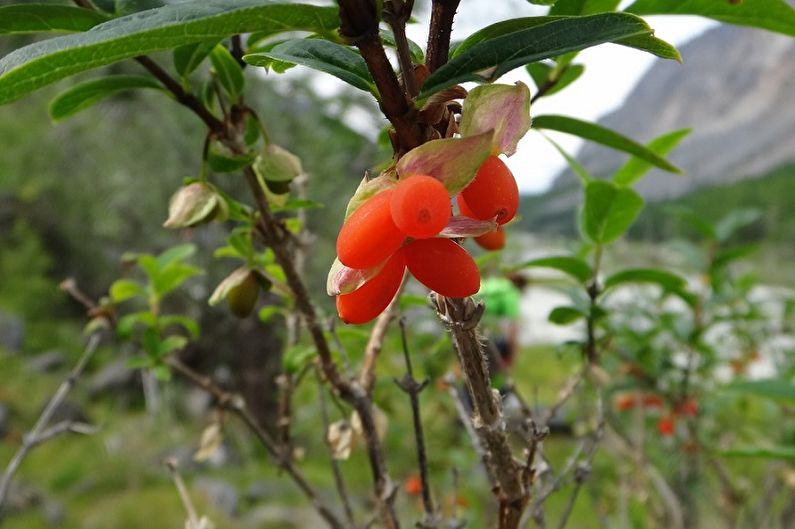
667 280
267 312
228 72
565 315
296 357
501 47
573 266
127 323
773 15
170 344
221 160
124 289
85 94
35 18
187 58
542 2
174 25
543 74
771 388
414 49
338 60
581 172
608 211
762 452
603 136
734 221
729 255
176 253
635 168
583 7
185 322
172 276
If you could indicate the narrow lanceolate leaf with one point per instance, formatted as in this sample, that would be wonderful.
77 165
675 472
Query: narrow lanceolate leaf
581 172
461 226
344 280
338 60
454 161
608 211
45 62
604 136
761 452
667 280
554 79
501 47
772 388
573 266
773 15
504 109
187 58
228 72
636 168
85 94
35 18
583 7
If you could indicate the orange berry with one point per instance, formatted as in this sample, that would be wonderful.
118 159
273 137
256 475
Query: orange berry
420 206
493 240
443 266
369 235
625 402
493 193
370 299
666 425
413 485
688 408
653 401
463 208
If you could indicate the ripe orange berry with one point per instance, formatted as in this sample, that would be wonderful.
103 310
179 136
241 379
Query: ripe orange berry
443 266
369 235
666 425
653 401
413 485
493 192
370 299
688 408
625 402
493 240
420 206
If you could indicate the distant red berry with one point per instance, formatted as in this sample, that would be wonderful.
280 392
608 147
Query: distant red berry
625 402
493 240
493 193
420 206
413 485
653 401
370 299
369 235
666 425
443 266
688 408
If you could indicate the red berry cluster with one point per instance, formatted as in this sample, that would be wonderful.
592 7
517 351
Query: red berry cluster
399 226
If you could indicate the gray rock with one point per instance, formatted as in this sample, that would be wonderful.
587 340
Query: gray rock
113 378
12 332
219 493
47 362
5 419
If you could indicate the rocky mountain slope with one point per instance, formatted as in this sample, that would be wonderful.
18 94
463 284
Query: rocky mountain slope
736 89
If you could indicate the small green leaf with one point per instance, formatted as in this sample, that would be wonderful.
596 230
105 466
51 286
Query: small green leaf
35 18
772 388
296 357
267 312
172 276
453 161
565 315
335 59
127 323
665 279
414 49
176 253
87 93
608 211
542 2
581 172
603 136
187 58
734 221
553 79
727 256
171 344
124 289
635 168
221 160
583 7
228 72
573 266
161 372
185 322
773 15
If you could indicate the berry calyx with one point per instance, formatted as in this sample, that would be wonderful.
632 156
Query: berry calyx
443 266
493 194
420 206
369 235
370 299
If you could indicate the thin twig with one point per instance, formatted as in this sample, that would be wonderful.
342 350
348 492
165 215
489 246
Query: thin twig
237 405
375 343
339 482
42 431
396 14
412 388
441 27
193 519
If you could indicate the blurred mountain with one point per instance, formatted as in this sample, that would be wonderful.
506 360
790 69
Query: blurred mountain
736 89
